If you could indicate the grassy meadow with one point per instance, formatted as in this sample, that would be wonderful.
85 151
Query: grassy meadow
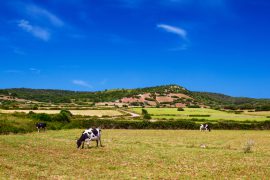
199 113
136 154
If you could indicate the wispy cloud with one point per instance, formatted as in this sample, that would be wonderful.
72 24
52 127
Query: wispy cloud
34 70
39 12
175 30
180 32
36 31
81 83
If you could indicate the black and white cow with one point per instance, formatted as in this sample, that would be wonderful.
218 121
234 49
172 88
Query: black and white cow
91 134
41 125
205 127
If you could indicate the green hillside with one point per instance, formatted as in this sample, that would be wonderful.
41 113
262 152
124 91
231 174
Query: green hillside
214 100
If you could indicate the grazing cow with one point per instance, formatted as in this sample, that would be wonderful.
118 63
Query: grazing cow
205 127
41 125
91 134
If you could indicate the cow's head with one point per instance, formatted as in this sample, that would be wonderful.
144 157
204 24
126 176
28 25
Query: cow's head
79 143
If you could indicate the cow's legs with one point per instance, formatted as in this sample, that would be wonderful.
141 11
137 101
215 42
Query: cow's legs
88 144
100 142
82 144
97 142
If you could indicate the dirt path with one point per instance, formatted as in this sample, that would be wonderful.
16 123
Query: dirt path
131 113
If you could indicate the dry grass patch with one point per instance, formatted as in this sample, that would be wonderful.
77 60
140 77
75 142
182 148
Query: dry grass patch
142 154
98 113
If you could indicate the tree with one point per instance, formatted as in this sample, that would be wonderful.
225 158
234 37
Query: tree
145 114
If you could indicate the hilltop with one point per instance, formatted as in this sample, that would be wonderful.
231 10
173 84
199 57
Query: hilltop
158 96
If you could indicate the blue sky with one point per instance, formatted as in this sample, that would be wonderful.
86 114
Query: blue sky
204 45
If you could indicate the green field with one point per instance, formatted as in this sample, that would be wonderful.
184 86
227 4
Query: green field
141 154
191 113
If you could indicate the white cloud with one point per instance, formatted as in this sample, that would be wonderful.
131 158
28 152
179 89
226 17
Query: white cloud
34 70
36 11
81 83
36 31
175 30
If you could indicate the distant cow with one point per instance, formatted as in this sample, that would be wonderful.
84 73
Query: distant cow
91 134
205 127
41 125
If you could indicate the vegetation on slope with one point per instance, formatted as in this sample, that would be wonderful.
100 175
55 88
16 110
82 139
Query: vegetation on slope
64 96
214 100
217 101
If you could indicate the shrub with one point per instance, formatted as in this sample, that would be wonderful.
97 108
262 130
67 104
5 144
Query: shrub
150 99
238 112
193 106
63 116
248 146
230 107
180 109
144 111
147 116
199 115
67 112
263 108
40 117
35 107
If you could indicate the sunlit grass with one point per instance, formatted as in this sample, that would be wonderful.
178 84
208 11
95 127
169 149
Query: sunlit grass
172 113
142 154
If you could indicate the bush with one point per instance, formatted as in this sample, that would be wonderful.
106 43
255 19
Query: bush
199 115
147 116
150 99
180 109
248 146
67 112
136 104
116 124
144 111
41 116
263 108
238 112
35 107
63 116
193 106
230 107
